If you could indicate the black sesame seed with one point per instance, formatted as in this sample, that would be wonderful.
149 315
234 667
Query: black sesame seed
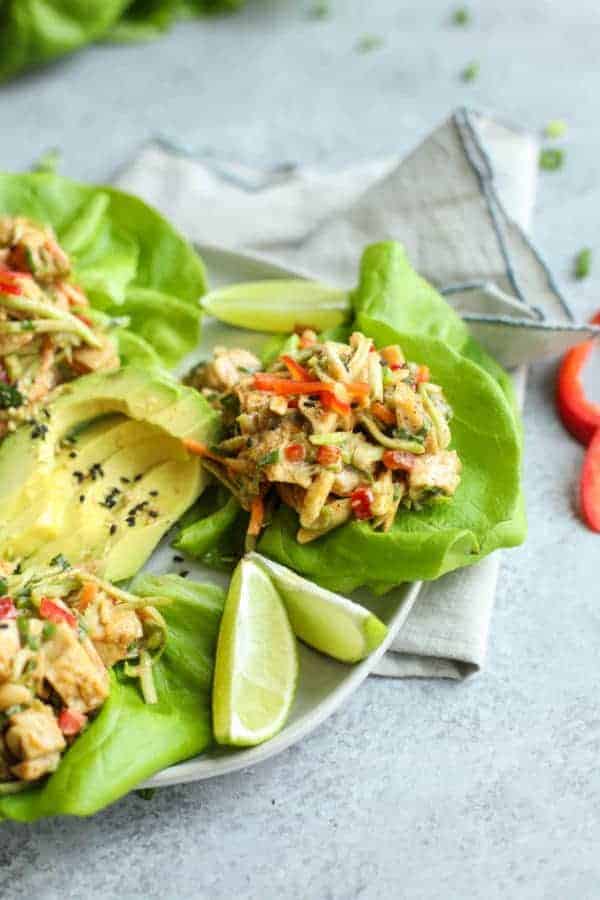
138 477
113 528
125 480
73 454
130 521
153 513
178 558
184 573
81 498
153 493
79 476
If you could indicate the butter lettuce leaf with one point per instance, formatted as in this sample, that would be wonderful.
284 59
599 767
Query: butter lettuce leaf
37 31
130 740
393 304
128 258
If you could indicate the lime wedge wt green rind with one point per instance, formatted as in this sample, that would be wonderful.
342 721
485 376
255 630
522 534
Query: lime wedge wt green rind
326 621
256 668
279 305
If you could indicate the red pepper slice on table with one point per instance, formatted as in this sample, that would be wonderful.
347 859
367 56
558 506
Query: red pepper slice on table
55 613
589 486
8 609
579 415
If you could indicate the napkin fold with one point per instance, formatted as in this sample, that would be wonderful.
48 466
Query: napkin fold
461 203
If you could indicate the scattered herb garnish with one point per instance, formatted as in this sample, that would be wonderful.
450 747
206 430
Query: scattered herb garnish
61 562
551 159
49 630
461 16
3 587
10 397
583 263
320 9
556 128
369 42
269 458
470 72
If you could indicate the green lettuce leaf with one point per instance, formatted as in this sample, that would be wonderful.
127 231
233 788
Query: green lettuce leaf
128 258
129 740
393 304
213 531
37 31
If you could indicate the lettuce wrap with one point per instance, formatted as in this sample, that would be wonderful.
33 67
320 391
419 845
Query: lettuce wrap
37 31
393 304
129 740
129 260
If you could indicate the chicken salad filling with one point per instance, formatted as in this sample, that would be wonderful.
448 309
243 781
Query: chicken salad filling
335 430
61 630
48 332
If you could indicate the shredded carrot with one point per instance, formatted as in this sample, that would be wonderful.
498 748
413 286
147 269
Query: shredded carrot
383 413
331 402
257 515
88 594
393 356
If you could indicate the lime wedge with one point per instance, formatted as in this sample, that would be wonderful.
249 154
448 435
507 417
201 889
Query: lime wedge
256 667
324 620
279 305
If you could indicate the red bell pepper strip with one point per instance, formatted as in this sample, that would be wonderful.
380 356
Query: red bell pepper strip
332 403
71 721
55 613
579 415
295 453
8 609
361 501
298 372
589 486
328 456
398 460
9 282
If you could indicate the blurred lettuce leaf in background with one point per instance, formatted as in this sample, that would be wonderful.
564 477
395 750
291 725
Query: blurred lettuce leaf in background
37 31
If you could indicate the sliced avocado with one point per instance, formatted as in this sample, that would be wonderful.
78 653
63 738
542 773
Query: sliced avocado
107 476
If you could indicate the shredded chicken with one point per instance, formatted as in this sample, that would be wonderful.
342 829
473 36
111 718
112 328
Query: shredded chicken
60 632
341 430
48 333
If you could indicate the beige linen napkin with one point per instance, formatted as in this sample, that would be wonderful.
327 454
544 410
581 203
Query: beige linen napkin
447 202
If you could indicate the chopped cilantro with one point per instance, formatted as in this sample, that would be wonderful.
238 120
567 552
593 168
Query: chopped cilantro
10 397
556 128
60 562
269 458
551 159
470 72
461 16
369 42
583 263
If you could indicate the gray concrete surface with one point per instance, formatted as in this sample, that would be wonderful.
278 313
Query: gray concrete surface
415 790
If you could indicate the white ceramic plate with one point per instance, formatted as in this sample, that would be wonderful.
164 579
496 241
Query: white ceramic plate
323 684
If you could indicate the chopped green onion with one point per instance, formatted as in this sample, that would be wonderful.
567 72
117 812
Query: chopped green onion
369 42
556 128
269 458
470 72
48 631
583 263
551 159
60 562
3 587
461 16
336 437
